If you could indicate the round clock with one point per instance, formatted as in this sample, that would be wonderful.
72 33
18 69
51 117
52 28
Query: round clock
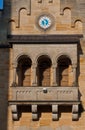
45 22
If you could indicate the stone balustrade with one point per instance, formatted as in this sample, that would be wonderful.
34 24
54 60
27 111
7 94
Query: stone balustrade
45 94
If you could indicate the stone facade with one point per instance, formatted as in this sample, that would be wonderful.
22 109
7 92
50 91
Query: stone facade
42 63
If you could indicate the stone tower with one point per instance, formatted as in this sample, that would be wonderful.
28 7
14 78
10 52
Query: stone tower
42 64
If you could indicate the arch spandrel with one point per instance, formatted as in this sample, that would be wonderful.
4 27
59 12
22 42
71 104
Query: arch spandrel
65 55
21 55
39 56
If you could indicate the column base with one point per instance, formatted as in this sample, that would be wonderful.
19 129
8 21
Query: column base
14 84
54 84
34 84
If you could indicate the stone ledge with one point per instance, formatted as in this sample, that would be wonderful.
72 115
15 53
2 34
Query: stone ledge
43 39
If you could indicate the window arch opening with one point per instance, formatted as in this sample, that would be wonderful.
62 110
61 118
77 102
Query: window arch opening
24 71
44 71
65 69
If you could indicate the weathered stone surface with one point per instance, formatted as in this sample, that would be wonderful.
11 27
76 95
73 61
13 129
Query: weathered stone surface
21 18
64 128
45 128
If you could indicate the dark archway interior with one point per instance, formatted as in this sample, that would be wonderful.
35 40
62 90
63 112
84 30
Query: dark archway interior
44 71
63 65
24 71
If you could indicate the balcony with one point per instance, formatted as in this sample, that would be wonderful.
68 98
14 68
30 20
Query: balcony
53 96
42 95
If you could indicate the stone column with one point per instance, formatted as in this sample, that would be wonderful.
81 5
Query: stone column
34 82
54 75
14 75
74 66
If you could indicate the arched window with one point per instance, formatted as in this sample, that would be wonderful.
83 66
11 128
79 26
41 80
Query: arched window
44 71
24 71
64 67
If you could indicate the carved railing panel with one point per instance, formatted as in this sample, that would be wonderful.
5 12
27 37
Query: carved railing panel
45 94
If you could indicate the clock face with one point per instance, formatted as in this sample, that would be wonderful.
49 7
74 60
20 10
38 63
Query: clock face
45 22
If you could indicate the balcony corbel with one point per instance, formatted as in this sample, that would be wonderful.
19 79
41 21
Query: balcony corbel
55 112
75 109
14 112
34 112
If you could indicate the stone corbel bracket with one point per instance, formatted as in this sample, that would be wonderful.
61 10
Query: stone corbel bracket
75 109
55 112
14 112
34 112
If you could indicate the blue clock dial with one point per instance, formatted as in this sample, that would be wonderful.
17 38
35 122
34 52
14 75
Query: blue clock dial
45 22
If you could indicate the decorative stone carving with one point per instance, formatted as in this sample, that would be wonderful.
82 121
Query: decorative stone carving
14 112
34 112
52 94
75 109
55 112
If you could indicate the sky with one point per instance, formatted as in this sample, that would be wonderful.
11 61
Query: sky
1 4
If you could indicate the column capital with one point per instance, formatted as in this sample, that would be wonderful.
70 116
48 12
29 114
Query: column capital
34 65
54 65
74 65
14 65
